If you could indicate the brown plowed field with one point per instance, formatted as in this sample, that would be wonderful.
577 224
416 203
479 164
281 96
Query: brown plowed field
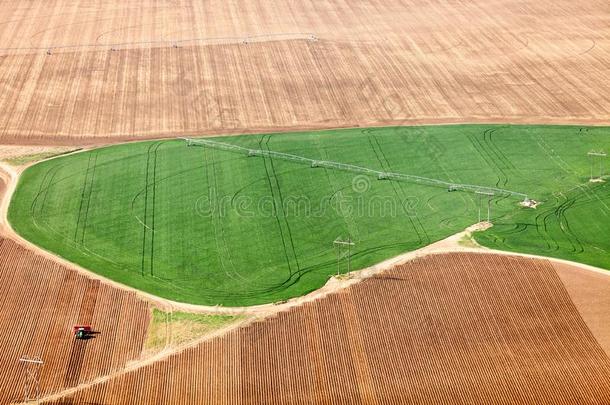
40 301
446 329
590 292
246 66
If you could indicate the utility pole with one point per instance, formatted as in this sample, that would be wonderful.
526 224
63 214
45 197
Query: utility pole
601 155
32 378
339 243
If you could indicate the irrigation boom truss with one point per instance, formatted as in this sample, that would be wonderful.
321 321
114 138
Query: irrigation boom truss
356 169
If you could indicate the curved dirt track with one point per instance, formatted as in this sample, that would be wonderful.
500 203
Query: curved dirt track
455 328
447 245
82 385
370 63
90 379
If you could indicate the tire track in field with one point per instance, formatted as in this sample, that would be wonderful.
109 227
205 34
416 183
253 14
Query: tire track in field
148 231
509 166
433 155
383 161
541 225
87 191
544 219
577 197
542 228
154 198
211 292
41 188
43 193
217 222
572 199
582 197
495 159
288 245
270 172
37 212
212 197
332 262
564 225
41 197
252 183
486 155
351 225
279 224
267 288
89 200
44 190
497 151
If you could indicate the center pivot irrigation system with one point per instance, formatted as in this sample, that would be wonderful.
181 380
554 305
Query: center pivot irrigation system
492 191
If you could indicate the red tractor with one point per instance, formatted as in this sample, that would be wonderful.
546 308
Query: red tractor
82 331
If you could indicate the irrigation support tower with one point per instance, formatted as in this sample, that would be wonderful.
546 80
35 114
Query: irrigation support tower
339 243
489 198
601 155
32 378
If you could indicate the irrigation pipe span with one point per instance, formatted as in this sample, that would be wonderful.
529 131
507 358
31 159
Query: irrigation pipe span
381 175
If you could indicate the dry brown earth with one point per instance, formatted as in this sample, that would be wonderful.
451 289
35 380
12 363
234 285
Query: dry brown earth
248 66
40 301
590 292
456 328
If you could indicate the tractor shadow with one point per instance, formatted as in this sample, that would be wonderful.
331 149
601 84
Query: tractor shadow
90 335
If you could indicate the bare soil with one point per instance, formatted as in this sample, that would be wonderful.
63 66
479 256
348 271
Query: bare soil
40 301
454 328
193 68
590 292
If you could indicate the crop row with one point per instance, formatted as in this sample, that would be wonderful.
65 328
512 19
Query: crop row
40 301
454 328
368 66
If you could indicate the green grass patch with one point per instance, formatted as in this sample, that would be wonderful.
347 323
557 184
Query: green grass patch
468 241
176 328
34 157
208 226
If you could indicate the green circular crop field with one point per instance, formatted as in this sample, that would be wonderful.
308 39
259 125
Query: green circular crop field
209 225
